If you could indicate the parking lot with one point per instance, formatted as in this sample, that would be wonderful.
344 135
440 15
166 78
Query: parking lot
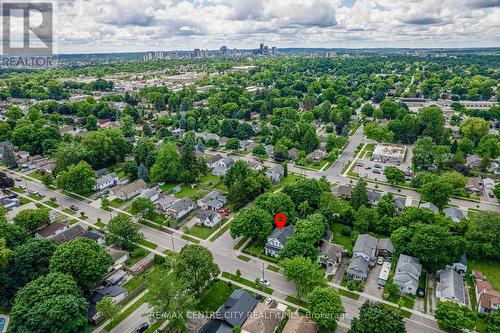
372 168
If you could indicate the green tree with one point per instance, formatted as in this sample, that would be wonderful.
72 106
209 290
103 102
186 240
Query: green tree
142 207
423 157
394 175
79 178
252 222
91 124
5 254
167 164
377 318
32 219
276 202
359 195
309 190
453 317
474 128
196 265
493 322
482 235
496 190
233 144
168 298
52 303
123 232
8 157
83 259
437 192
326 306
305 274
108 308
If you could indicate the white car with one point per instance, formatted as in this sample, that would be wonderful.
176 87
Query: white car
380 260
22 186
264 282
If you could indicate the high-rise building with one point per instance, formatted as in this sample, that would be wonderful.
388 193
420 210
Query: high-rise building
223 50
197 53
174 55
153 55
261 48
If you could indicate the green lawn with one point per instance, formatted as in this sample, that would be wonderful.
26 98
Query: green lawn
100 224
195 193
125 314
200 231
290 179
221 231
24 201
215 295
190 239
18 190
246 282
273 268
116 203
37 175
349 294
490 269
34 197
155 217
298 301
133 283
69 211
244 258
149 244
340 239
51 203
240 243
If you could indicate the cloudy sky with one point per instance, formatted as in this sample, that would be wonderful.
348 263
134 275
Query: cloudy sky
140 25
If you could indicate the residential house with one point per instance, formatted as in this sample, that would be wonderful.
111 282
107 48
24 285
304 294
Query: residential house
247 145
212 162
180 208
316 156
488 299
277 239
330 255
385 248
276 173
115 277
450 287
129 191
68 235
363 256
460 266
473 162
96 236
165 202
269 150
212 201
474 185
400 203
152 194
344 191
105 181
119 256
51 229
178 132
233 313
374 197
101 172
223 141
222 166
430 206
454 213
255 165
208 218
265 318
207 136
117 293
300 324
293 153
407 274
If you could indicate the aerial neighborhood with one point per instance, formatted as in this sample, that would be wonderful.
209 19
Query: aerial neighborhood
146 195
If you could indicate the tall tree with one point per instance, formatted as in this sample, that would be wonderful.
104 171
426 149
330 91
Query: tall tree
377 318
196 265
85 260
123 232
452 316
108 308
168 298
167 164
79 178
32 219
326 306
482 235
359 195
305 274
252 222
8 157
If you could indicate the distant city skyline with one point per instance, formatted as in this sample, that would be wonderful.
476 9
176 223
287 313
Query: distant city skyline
87 26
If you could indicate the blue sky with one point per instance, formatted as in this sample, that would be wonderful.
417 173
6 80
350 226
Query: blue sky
140 25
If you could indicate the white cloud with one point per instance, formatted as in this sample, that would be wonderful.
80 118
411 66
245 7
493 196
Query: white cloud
139 25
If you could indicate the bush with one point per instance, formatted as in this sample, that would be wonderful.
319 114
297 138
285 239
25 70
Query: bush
356 285
346 231
159 260
138 252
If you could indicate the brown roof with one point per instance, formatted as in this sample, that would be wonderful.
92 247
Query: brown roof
478 275
488 297
263 319
70 234
50 229
300 324
132 187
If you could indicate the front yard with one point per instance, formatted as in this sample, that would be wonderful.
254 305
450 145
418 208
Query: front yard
490 269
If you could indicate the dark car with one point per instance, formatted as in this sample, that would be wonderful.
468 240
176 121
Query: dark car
420 292
74 208
141 328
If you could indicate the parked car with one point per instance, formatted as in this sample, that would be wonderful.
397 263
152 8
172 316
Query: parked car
18 180
368 167
141 328
420 292
74 208
360 164
378 166
33 191
22 186
491 195
380 260
264 282
379 171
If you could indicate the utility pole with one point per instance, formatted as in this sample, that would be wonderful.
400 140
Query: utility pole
172 237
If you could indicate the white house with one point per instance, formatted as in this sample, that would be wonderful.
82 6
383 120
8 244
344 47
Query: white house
277 240
407 274
212 201
222 166
150 193
450 287
105 181
276 173
207 218
180 208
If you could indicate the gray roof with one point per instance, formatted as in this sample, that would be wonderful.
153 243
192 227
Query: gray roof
70 234
400 203
366 244
282 234
181 205
213 199
451 285
204 214
215 158
454 213
228 161
385 244
358 264
374 196
430 206
237 308
408 268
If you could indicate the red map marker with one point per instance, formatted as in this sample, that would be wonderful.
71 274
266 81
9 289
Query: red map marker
280 220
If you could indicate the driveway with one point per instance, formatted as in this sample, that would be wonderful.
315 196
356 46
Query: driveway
371 285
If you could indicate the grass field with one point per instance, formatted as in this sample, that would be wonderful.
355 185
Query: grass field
200 231
246 282
244 258
51 203
221 231
190 239
490 269
349 294
148 244
340 239
215 295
